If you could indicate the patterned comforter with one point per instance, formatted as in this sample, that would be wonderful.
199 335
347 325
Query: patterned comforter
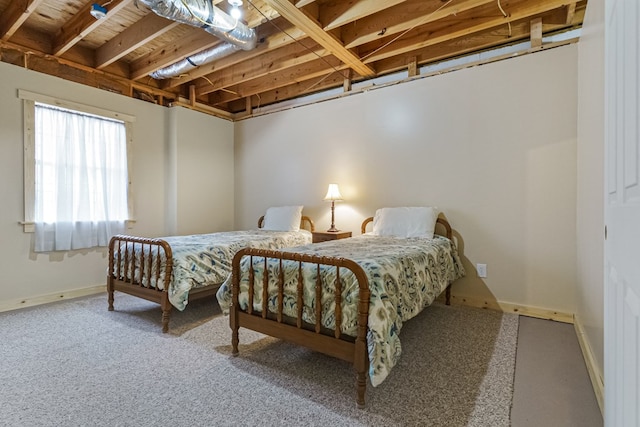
205 259
405 276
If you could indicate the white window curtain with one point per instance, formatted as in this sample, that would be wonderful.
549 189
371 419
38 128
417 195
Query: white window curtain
81 179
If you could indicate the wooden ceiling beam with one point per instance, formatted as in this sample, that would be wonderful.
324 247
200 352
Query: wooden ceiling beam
410 14
319 68
83 23
467 44
143 31
194 41
455 27
463 45
273 39
268 63
14 16
312 28
337 14
283 93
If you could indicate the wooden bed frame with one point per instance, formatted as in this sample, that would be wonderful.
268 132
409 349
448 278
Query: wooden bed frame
122 263
294 329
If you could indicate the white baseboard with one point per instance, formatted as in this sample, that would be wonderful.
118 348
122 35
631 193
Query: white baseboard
595 374
506 307
44 299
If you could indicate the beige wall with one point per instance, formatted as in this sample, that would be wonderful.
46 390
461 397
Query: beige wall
590 196
204 184
26 275
493 146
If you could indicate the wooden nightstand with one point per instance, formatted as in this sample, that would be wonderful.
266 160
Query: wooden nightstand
324 236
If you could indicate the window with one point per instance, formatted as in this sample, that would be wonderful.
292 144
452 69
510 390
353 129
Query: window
77 188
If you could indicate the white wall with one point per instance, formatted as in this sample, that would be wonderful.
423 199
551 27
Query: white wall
27 275
590 199
493 146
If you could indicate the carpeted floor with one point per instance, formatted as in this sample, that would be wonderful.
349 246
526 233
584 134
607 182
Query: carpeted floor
73 363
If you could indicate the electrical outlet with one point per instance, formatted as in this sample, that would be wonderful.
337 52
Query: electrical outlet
482 270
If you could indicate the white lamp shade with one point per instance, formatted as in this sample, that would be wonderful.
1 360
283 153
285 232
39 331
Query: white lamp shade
333 193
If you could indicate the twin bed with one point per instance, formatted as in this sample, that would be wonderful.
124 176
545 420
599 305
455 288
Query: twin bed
345 298
171 271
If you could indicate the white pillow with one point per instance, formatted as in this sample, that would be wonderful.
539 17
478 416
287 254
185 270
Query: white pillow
405 222
283 218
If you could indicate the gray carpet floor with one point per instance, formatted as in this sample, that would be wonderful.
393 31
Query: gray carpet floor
73 363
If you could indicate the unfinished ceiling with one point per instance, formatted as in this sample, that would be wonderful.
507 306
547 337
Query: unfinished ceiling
301 47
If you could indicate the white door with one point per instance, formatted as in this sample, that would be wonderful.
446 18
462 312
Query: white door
622 214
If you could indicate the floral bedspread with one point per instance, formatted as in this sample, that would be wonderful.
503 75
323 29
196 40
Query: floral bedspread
205 259
405 276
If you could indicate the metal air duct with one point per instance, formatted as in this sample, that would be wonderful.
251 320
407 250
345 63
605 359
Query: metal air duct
202 14
193 61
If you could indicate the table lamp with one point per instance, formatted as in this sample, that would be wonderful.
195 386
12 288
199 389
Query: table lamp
333 194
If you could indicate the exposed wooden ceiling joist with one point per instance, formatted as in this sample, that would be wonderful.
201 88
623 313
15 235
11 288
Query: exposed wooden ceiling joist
312 28
303 45
15 15
82 23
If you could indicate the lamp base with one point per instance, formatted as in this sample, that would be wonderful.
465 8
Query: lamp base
333 230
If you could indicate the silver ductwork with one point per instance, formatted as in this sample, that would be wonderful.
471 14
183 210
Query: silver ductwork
202 14
193 61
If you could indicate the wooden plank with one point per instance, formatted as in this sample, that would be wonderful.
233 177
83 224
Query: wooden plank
29 146
193 42
312 28
14 16
506 307
595 374
536 32
467 44
49 298
143 31
290 91
82 23
309 70
346 86
412 66
269 63
327 345
410 14
571 11
273 39
454 27
337 14
471 43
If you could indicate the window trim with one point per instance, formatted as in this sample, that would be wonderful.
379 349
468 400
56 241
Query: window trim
29 142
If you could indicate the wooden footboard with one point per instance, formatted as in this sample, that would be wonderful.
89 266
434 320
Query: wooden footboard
294 329
141 267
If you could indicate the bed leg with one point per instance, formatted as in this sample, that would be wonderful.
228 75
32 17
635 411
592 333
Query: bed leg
447 294
233 323
361 385
165 305
235 340
110 294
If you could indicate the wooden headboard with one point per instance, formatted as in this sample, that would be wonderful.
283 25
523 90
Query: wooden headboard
443 223
305 223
